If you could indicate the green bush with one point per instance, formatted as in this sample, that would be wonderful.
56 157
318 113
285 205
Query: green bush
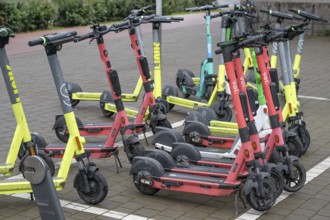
27 15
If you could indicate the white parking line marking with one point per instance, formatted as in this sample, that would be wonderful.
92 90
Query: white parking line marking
314 172
313 97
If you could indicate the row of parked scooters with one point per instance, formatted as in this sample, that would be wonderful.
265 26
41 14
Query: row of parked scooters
260 162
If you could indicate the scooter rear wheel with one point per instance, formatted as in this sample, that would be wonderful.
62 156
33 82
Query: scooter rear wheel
299 178
143 188
98 185
73 88
306 138
263 204
278 181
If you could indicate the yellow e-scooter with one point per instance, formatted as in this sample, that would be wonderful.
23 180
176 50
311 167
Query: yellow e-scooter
90 184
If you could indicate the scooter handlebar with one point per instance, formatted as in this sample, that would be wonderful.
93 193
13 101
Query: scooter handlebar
278 14
252 40
122 24
207 7
308 15
166 19
62 37
83 37
6 32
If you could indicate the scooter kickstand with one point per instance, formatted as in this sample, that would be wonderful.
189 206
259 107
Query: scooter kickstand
117 160
31 196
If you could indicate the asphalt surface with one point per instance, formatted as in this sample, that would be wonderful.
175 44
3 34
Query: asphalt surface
183 46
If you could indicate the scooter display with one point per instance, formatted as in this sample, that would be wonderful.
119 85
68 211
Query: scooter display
24 143
128 131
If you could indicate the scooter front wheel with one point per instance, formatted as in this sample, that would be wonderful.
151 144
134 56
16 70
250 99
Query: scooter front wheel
278 181
98 188
295 146
224 114
105 112
208 92
262 204
298 180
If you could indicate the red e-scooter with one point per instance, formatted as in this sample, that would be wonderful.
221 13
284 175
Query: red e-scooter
132 145
154 172
152 109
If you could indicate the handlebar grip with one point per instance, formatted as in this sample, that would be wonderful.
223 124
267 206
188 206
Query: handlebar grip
278 14
192 9
147 18
32 43
147 8
177 18
246 14
218 51
121 24
223 6
308 15
251 40
275 36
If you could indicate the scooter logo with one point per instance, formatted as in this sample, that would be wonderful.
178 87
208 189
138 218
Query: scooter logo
242 80
235 87
265 77
300 46
65 95
13 83
157 64
274 48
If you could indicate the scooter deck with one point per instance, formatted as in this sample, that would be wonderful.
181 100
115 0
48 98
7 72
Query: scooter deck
97 150
6 169
202 170
183 176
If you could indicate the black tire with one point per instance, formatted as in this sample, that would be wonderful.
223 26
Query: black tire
135 150
298 180
225 115
62 133
105 113
295 146
208 92
143 188
161 123
278 181
306 140
99 189
73 88
49 162
179 83
263 204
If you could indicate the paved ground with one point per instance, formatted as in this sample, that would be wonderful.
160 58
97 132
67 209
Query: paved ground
183 46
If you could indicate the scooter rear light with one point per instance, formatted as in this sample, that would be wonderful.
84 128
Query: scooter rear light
265 110
254 145
78 142
290 108
247 153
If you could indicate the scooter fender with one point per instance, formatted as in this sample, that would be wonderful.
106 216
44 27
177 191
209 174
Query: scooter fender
150 165
197 116
187 76
169 91
279 167
60 120
106 96
134 139
251 183
196 126
90 173
290 133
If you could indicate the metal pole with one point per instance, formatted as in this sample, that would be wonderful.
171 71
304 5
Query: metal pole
159 6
